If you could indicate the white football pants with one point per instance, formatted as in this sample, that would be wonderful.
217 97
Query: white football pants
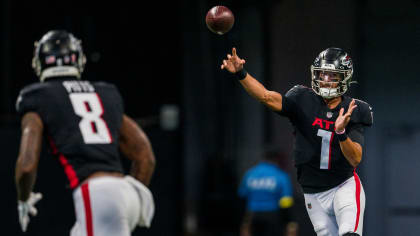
106 206
339 210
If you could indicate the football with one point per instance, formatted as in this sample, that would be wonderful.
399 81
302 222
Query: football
220 19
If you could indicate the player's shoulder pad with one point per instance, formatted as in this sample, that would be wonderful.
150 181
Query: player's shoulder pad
28 92
105 86
364 112
297 90
33 88
109 88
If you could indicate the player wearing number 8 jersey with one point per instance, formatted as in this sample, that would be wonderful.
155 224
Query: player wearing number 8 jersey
74 123
329 130
85 126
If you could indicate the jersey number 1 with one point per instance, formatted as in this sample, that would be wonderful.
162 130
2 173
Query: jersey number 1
93 128
325 148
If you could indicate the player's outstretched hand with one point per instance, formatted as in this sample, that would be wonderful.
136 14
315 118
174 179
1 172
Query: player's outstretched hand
233 63
343 119
28 207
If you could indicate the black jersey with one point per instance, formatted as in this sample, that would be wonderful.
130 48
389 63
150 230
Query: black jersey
81 123
318 158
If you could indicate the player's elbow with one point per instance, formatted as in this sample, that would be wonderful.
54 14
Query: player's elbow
358 156
151 160
356 159
25 165
146 157
269 99
353 153
147 152
355 163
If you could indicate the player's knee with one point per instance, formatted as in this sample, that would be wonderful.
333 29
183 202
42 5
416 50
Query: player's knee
351 234
321 230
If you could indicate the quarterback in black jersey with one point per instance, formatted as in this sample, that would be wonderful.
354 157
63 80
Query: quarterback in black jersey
329 138
85 127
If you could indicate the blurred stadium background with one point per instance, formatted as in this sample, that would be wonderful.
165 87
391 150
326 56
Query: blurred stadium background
205 130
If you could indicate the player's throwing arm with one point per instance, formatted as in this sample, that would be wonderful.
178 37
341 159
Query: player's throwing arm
235 65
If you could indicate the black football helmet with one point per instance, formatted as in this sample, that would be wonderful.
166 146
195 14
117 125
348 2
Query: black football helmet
58 53
334 60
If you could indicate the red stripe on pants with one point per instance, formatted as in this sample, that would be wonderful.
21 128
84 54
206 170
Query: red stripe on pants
356 178
88 209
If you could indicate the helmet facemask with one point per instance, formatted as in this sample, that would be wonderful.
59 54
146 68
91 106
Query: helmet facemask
330 89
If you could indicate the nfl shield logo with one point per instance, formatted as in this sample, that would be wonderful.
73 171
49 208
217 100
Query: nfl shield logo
309 205
329 114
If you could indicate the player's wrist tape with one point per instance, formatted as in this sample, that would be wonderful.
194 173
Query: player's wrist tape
342 136
240 75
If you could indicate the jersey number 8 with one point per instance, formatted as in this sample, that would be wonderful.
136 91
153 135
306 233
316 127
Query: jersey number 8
93 128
